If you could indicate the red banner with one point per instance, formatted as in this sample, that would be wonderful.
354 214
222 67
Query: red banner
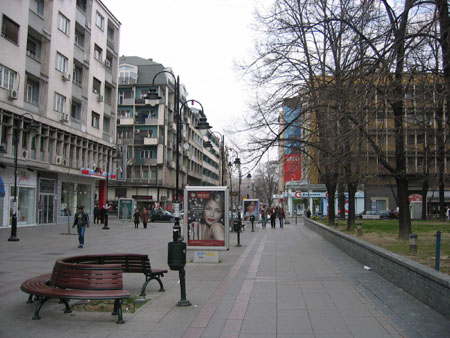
292 167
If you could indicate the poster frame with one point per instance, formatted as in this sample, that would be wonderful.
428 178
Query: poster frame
257 217
190 189
119 205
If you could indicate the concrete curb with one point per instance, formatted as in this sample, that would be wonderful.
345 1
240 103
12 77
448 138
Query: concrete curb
429 286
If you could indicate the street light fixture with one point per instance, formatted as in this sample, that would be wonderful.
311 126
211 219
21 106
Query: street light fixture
34 126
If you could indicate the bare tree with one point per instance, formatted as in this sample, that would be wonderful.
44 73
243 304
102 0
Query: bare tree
266 181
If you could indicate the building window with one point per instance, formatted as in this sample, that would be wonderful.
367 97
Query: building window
32 92
95 120
97 84
108 94
99 21
7 77
79 39
137 172
33 48
77 74
145 154
75 112
106 124
144 172
98 53
82 4
61 62
63 23
60 103
39 7
10 30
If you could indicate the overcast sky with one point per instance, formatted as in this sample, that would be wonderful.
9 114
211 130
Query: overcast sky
200 40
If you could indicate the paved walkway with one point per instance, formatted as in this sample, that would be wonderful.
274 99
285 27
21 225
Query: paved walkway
281 283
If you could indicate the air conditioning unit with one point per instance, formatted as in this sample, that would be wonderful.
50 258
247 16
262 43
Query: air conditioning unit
25 154
66 163
100 98
13 95
58 160
66 77
64 117
107 63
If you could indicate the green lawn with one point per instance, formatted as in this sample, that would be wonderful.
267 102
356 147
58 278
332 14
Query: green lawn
384 233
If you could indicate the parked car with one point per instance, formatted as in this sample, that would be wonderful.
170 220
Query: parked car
374 214
161 215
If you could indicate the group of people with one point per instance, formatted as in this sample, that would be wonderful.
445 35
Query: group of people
139 216
272 214
100 214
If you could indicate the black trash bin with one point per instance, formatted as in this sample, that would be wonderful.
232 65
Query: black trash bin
176 258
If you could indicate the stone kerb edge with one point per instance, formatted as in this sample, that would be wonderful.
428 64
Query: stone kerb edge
428 285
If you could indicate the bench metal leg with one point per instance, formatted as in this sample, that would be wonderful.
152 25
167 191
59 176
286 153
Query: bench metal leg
30 300
161 286
118 311
147 280
66 303
38 308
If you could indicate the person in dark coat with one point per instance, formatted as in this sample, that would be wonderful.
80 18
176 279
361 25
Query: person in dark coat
96 215
136 217
281 216
81 221
145 216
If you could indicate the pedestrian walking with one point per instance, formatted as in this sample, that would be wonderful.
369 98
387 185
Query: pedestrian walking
308 213
136 218
281 216
96 215
272 217
263 217
145 216
81 221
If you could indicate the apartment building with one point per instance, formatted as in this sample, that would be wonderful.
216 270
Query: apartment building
146 137
58 102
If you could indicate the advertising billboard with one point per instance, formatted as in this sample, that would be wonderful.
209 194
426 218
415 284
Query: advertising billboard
250 207
125 208
206 213
292 167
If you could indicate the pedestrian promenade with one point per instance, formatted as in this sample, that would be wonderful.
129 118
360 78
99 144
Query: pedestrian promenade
280 283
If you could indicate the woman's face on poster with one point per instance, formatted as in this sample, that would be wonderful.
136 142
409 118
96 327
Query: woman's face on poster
251 207
212 212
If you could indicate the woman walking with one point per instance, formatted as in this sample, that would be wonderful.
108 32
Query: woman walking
145 217
281 216
136 217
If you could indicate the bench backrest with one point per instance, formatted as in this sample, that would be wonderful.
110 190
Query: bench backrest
86 276
128 262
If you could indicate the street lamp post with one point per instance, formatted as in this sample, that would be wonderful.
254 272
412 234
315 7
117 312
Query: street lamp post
32 127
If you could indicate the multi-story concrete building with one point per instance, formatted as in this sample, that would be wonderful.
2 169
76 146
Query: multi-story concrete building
58 71
146 138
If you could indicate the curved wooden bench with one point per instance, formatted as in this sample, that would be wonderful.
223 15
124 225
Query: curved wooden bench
129 262
78 281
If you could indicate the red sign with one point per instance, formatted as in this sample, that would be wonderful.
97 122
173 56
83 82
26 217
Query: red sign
415 198
292 167
326 194
298 194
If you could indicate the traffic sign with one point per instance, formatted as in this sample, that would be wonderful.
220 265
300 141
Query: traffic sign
298 194
326 194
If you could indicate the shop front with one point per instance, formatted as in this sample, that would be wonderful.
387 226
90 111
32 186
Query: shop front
25 197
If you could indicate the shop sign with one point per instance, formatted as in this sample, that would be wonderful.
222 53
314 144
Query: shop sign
98 174
142 197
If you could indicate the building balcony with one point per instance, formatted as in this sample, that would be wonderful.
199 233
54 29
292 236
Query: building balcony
145 161
125 102
152 141
139 101
125 141
146 121
125 121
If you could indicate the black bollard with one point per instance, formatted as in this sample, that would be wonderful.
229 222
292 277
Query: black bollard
252 219
237 230
176 259
438 250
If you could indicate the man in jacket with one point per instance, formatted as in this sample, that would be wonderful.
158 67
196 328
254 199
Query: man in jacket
81 220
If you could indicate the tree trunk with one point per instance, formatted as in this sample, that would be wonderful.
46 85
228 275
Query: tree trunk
351 187
331 208
404 217
341 201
